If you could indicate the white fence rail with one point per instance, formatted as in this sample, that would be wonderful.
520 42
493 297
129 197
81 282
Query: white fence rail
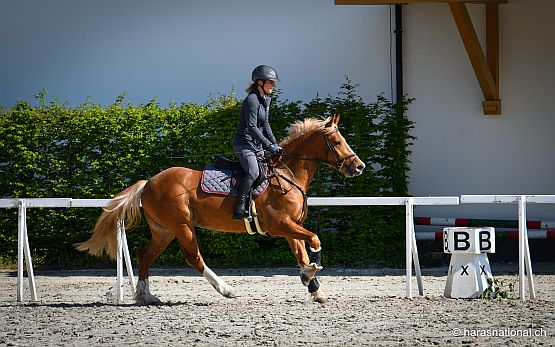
410 239
411 250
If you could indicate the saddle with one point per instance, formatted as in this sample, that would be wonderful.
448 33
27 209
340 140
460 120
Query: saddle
222 176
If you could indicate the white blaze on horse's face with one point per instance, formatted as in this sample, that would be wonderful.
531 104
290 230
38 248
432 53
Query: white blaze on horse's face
340 153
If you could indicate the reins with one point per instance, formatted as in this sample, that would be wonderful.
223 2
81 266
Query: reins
278 175
339 162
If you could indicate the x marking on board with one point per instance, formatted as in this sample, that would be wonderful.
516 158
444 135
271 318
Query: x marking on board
464 268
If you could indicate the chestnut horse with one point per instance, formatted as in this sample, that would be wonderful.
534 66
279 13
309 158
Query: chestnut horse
173 204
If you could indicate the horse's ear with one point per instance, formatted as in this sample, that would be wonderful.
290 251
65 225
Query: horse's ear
333 120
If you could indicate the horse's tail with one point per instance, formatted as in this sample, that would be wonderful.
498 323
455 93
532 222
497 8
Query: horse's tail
125 206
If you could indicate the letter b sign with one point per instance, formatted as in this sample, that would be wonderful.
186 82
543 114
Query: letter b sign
461 243
469 240
486 238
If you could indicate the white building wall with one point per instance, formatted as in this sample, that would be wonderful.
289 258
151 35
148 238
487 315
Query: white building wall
186 50
461 151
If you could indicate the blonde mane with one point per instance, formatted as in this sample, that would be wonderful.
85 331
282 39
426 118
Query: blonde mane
301 130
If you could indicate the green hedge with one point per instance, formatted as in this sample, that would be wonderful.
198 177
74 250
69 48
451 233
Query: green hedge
95 151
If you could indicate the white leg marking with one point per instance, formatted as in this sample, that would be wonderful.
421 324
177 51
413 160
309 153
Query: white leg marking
143 296
219 284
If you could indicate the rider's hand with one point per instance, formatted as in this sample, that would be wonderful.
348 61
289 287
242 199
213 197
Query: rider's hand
275 149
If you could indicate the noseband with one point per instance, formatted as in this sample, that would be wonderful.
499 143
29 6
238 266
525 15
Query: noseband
339 161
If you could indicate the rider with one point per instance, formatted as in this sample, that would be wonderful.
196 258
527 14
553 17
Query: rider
253 134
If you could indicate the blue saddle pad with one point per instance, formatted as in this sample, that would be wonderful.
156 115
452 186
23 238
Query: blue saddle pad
221 181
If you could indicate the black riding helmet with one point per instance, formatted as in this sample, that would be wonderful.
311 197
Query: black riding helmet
265 73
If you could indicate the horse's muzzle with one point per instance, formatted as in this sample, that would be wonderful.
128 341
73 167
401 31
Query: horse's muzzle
359 169
355 168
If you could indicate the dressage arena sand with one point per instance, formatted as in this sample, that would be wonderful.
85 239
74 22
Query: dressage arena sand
366 307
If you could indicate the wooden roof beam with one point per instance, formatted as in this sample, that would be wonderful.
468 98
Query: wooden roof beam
486 69
390 2
486 66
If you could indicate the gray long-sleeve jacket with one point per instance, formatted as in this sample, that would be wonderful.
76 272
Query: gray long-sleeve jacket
253 128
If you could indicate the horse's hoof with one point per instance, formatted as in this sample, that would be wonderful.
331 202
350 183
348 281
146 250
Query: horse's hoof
308 272
230 294
319 296
150 300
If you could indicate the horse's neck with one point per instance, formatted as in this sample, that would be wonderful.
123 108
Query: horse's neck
303 169
301 158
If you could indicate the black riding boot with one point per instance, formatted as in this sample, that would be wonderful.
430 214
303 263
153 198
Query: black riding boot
241 204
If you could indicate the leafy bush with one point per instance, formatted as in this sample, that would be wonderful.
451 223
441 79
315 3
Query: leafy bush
95 151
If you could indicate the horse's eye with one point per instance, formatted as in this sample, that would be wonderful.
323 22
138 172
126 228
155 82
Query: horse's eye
337 143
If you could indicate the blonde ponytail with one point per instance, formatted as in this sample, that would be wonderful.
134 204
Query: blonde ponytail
251 88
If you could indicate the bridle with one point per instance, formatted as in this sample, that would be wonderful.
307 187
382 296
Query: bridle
339 161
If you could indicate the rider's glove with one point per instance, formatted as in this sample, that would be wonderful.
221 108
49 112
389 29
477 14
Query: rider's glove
275 149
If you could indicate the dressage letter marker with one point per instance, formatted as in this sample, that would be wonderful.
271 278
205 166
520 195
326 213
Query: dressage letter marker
461 241
469 268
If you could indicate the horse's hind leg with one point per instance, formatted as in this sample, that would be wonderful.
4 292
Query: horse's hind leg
188 241
299 250
161 237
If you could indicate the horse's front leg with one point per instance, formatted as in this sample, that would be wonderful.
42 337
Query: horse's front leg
308 272
292 230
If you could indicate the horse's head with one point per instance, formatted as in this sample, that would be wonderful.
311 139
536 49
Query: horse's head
338 152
